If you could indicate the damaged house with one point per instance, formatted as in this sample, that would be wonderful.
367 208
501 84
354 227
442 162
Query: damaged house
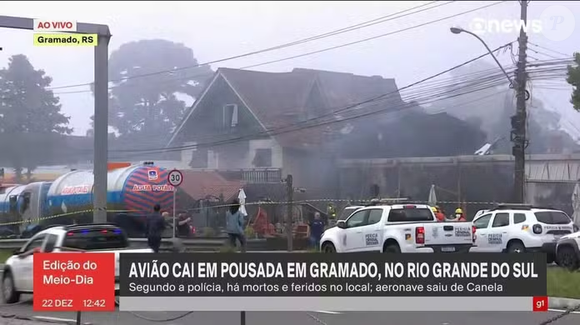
261 126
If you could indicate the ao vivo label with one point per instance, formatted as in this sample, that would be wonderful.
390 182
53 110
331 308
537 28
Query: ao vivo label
74 282
55 25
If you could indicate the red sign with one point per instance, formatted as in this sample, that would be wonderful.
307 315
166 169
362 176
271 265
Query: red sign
74 282
540 304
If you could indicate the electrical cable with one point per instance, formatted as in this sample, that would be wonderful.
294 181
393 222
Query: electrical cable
284 130
334 112
235 140
358 116
278 60
277 47
543 53
374 37
548 49
300 55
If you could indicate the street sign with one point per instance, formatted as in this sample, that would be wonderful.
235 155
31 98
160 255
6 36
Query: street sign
175 177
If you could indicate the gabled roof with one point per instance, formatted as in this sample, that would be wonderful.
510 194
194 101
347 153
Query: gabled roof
279 99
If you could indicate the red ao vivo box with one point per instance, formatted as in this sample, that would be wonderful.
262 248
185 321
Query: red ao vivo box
74 282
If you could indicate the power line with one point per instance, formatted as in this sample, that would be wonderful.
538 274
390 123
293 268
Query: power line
279 60
395 92
287 58
399 108
306 127
365 24
548 49
301 125
372 38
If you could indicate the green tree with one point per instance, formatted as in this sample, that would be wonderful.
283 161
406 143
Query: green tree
149 105
30 116
574 80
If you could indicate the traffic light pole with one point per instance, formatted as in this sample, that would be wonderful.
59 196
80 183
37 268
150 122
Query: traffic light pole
518 134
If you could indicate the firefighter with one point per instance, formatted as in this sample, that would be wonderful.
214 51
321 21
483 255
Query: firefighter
459 215
440 216
331 211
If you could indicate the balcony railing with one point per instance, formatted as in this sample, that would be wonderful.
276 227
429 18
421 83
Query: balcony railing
255 176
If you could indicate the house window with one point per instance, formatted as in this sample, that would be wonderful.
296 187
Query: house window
230 116
263 158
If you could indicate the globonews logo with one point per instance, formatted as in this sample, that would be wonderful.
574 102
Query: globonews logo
556 23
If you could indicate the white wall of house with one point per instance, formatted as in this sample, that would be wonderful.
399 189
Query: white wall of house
264 144
244 162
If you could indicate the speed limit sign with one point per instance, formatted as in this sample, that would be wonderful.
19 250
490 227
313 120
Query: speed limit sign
175 177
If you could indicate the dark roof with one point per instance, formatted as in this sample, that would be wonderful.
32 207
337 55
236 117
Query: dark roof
279 99
270 96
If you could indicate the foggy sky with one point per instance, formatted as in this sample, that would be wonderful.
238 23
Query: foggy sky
216 30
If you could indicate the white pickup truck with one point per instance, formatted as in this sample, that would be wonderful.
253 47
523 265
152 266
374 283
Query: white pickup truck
95 238
397 228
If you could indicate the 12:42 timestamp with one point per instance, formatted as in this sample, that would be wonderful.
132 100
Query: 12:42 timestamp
94 303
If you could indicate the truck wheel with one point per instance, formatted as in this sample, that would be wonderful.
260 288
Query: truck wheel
328 248
567 258
516 247
9 292
392 249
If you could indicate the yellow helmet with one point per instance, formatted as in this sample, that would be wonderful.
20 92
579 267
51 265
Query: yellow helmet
458 210
434 209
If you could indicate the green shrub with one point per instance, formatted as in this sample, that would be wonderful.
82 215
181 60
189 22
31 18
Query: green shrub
249 232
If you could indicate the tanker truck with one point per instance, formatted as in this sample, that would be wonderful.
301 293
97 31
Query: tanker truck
132 191
9 209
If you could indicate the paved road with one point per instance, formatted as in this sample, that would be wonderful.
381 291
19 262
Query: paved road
313 318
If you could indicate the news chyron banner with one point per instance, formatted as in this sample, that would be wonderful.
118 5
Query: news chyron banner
73 281
337 282
62 33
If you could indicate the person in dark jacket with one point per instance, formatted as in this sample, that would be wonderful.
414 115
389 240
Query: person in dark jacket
235 225
316 230
155 227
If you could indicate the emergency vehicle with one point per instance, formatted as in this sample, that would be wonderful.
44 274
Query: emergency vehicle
396 228
521 228
568 251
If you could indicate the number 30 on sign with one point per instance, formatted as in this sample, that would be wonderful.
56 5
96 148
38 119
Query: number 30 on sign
175 177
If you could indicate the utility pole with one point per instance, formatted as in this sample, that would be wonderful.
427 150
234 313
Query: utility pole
518 121
290 196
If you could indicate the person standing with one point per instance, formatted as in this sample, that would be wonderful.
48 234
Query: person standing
316 230
155 227
235 225
459 215
183 228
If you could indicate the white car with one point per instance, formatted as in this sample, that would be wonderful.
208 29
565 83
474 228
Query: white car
568 251
396 228
521 228
17 276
